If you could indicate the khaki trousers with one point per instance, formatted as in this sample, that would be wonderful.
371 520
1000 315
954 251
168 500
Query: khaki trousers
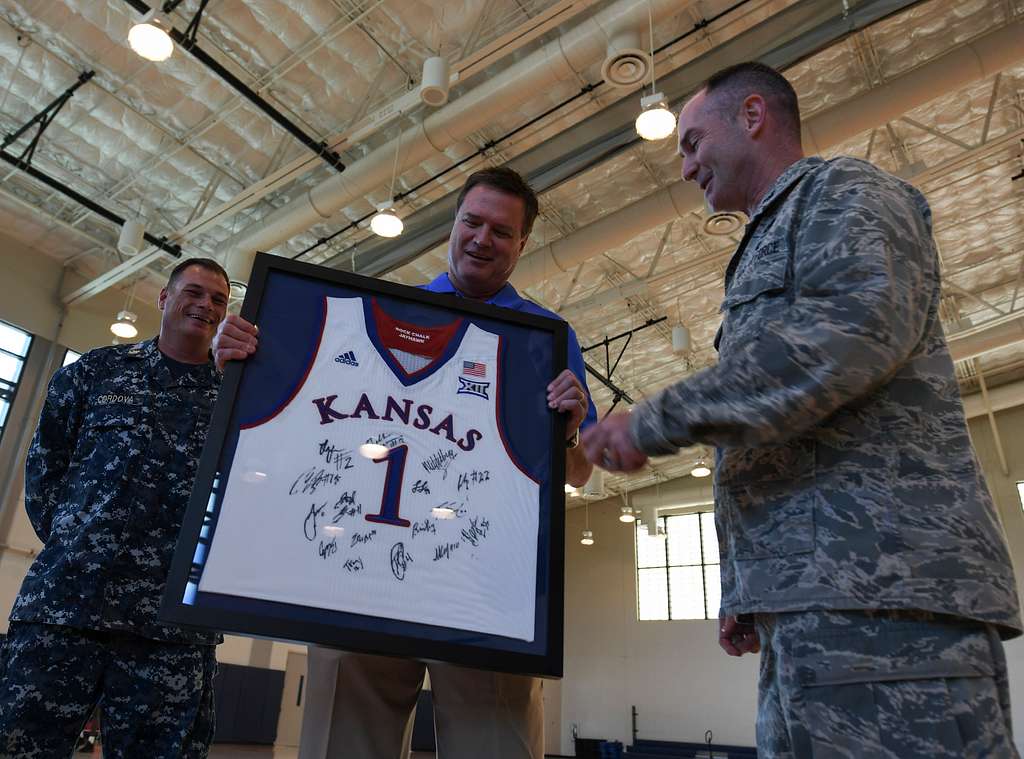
360 707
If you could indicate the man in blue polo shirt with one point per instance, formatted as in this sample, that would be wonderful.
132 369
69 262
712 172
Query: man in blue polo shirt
358 706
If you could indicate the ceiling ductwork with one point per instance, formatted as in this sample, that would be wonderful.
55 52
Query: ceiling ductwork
983 57
559 60
986 338
1001 398
680 493
626 64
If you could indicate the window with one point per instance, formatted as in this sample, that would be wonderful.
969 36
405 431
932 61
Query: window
1020 493
14 345
677 574
70 357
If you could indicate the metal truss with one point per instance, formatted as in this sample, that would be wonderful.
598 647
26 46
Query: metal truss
23 162
618 394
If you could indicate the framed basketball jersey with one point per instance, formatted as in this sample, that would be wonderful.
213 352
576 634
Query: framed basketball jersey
383 475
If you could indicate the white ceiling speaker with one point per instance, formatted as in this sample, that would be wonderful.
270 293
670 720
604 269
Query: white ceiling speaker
626 63
434 84
594 487
723 223
132 237
680 339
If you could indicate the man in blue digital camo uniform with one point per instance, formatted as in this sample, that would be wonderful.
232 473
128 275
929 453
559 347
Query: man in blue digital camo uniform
107 480
854 524
358 706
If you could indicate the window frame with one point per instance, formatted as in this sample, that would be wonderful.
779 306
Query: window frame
663 522
9 388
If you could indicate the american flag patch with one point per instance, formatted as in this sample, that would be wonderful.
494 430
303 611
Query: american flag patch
474 368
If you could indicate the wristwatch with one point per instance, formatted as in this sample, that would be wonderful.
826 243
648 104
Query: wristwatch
574 440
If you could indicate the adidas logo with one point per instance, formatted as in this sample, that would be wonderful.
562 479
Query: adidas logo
348 357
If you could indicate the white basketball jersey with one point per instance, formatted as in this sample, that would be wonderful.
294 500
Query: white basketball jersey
306 519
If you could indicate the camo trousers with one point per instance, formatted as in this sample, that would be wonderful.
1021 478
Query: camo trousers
881 685
156 698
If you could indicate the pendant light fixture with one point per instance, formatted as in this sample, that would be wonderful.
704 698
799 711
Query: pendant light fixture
701 468
124 323
655 121
386 222
587 538
150 39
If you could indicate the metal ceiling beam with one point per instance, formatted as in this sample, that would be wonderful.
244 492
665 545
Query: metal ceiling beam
187 42
360 129
23 162
96 208
794 34
74 64
617 392
55 220
223 111
44 118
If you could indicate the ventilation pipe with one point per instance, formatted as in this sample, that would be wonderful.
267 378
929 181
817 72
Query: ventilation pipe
986 338
626 64
679 493
594 488
981 58
649 515
603 298
561 59
1001 398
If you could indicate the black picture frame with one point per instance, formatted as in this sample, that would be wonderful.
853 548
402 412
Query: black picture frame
276 300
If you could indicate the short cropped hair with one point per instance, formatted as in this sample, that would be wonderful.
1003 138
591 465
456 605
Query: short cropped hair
204 263
505 180
737 82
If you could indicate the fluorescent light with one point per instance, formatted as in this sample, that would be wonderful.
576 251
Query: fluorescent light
386 223
124 326
151 41
655 121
